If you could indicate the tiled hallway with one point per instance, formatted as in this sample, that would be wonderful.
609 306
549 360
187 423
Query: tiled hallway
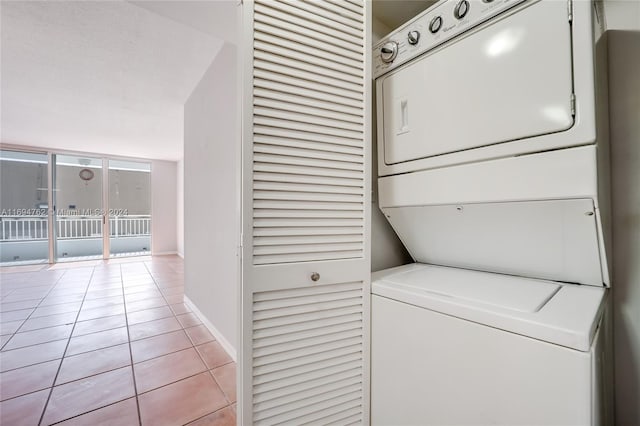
108 343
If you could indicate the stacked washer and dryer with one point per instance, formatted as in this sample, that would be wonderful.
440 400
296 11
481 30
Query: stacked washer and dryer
493 171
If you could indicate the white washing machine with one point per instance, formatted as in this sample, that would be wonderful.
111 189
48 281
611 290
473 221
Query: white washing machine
493 171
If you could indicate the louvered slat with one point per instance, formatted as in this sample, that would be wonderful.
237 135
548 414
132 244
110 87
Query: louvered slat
307 353
309 342
337 9
346 417
295 8
293 197
308 110
325 79
327 230
306 179
314 226
284 406
308 198
308 30
300 55
307 118
314 368
302 38
319 84
309 160
305 291
305 365
295 99
305 144
309 380
318 408
357 8
305 299
297 25
307 239
289 334
307 214
305 187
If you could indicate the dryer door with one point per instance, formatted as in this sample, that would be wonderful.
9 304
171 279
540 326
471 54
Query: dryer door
509 79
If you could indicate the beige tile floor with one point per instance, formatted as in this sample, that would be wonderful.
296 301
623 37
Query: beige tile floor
110 342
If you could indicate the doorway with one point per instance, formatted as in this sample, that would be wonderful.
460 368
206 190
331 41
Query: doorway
78 206
24 194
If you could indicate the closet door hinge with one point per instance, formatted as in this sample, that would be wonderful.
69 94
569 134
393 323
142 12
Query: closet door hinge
570 10
573 104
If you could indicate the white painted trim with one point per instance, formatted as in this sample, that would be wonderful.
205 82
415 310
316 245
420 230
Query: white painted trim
212 329
180 254
164 253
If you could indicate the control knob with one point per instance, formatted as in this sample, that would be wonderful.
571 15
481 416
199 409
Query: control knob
413 37
389 51
435 24
461 9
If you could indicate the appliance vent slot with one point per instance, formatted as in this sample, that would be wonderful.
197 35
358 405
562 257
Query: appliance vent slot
308 131
308 355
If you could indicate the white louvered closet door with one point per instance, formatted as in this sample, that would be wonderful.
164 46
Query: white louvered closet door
304 356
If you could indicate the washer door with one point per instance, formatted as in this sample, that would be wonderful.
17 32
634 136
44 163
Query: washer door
509 79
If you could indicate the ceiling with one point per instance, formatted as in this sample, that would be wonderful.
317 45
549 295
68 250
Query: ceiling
113 76
393 13
105 76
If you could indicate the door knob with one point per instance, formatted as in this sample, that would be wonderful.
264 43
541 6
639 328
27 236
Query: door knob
315 276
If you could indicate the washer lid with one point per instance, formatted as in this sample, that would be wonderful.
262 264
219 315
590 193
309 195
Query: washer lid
558 313
504 291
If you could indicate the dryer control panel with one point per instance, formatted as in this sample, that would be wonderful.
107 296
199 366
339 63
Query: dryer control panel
436 25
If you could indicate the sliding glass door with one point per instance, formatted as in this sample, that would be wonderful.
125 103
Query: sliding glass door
62 207
78 208
129 208
24 230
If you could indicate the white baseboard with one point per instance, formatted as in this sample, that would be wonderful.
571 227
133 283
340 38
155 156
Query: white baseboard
164 253
212 329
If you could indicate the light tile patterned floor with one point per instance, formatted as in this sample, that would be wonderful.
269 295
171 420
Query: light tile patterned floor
108 342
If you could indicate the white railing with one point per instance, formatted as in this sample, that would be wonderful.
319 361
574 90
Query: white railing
75 227
129 226
23 228
31 228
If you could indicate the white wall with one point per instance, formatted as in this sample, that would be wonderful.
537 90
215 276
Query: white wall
180 206
211 194
622 14
624 116
163 207
379 29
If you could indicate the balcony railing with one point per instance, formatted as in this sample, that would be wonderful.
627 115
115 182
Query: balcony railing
129 226
34 228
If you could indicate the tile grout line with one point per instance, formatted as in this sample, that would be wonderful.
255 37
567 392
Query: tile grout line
46 405
208 370
34 309
117 368
133 371
38 305
91 319
190 340
229 404
117 344
208 414
83 303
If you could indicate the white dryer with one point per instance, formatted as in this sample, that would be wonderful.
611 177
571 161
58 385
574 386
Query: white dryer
493 171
